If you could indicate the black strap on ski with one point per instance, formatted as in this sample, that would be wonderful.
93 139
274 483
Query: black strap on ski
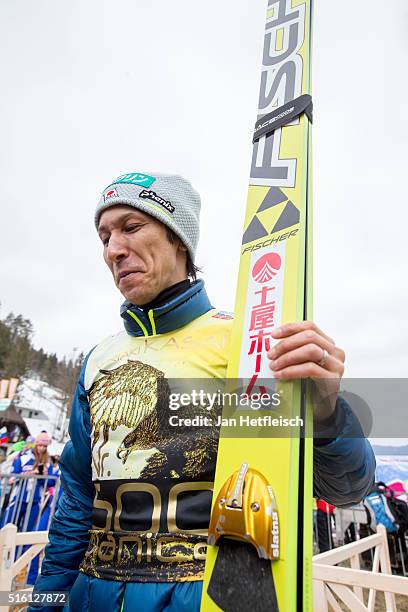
241 580
284 115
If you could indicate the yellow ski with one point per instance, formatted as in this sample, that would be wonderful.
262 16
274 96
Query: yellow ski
260 536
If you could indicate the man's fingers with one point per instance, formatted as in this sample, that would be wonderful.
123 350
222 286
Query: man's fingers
301 348
305 355
305 370
306 338
289 329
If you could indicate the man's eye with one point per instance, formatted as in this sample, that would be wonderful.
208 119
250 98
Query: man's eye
105 241
133 227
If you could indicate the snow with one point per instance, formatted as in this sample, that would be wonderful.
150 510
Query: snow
390 468
37 396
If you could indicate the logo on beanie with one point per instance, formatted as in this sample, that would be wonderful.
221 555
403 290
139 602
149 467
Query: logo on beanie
151 195
135 178
111 193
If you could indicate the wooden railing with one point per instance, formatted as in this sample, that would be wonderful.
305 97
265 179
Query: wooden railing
347 583
10 540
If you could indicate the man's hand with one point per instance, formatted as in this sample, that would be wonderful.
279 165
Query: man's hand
304 351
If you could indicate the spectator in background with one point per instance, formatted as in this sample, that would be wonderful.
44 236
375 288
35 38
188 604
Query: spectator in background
55 489
6 469
47 509
32 461
324 516
13 452
28 495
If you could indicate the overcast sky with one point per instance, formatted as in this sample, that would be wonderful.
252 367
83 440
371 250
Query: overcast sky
94 89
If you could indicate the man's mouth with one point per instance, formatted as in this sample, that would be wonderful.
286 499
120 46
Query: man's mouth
126 274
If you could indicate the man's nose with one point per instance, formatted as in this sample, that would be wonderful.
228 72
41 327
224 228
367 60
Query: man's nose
117 247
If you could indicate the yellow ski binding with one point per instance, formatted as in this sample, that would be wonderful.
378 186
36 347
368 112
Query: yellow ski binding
246 509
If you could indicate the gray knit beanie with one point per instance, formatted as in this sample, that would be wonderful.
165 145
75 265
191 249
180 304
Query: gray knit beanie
168 197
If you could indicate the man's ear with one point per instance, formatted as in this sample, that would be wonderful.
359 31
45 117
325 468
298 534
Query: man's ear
182 247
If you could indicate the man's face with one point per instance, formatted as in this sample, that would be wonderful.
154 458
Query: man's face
138 253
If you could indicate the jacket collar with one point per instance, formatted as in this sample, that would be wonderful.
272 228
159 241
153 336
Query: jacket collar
176 313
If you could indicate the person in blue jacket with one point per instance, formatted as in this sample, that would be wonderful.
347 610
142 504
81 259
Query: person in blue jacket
130 529
28 494
32 461
47 504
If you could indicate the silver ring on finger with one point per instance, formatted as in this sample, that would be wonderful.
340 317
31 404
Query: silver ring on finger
324 358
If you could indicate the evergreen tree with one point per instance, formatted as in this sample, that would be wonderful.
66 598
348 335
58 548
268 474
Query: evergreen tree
15 346
4 346
18 357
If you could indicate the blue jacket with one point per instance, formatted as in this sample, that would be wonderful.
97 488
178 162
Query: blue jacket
23 464
343 466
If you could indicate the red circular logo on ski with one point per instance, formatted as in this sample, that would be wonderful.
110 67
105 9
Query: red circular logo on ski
266 267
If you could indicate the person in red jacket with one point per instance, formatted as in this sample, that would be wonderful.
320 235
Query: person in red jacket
324 523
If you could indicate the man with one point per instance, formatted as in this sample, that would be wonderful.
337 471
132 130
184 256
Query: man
137 493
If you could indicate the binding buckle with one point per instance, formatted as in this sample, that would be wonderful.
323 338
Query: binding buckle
246 509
